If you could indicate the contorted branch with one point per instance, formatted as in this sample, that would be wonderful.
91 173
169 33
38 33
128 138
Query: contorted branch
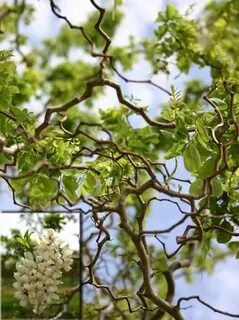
207 305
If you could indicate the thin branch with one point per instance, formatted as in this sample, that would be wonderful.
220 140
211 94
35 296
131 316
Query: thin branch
207 305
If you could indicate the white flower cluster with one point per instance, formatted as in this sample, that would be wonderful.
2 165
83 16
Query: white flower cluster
38 272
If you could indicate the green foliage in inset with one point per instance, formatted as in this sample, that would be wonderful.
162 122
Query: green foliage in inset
23 244
54 221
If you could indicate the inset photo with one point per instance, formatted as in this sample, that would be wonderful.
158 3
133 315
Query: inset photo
40 266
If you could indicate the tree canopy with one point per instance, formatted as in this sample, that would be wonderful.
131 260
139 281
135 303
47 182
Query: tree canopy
122 165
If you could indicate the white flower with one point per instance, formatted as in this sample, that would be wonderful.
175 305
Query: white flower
53 296
39 259
26 286
18 264
23 303
32 300
47 255
17 276
28 255
29 263
57 255
22 269
25 278
49 281
48 271
59 262
39 285
42 266
29 286
63 244
37 272
67 268
17 285
50 232
40 294
35 239
57 274
52 289
19 295
50 262
32 294
39 309
66 252
54 246
41 276
68 261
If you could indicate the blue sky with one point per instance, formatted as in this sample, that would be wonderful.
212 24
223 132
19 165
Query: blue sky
220 289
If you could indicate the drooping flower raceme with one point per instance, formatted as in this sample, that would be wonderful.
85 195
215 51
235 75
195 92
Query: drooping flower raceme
38 272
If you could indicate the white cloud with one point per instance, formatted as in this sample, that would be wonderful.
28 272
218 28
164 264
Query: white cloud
106 100
197 6
220 290
77 11
227 297
41 26
138 19
46 25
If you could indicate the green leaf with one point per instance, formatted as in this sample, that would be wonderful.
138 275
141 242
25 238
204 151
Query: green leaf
26 160
221 23
181 126
234 245
222 236
207 169
20 241
168 114
42 189
21 115
71 185
237 172
174 151
191 158
3 158
202 131
160 32
54 221
13 89
219 103
171 11
90 180
196 188
202 137
217 189
118 2
93 185
183 63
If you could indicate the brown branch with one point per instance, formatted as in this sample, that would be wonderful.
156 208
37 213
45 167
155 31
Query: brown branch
150 82
98 26
145 265
136 109
207 305
167 230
